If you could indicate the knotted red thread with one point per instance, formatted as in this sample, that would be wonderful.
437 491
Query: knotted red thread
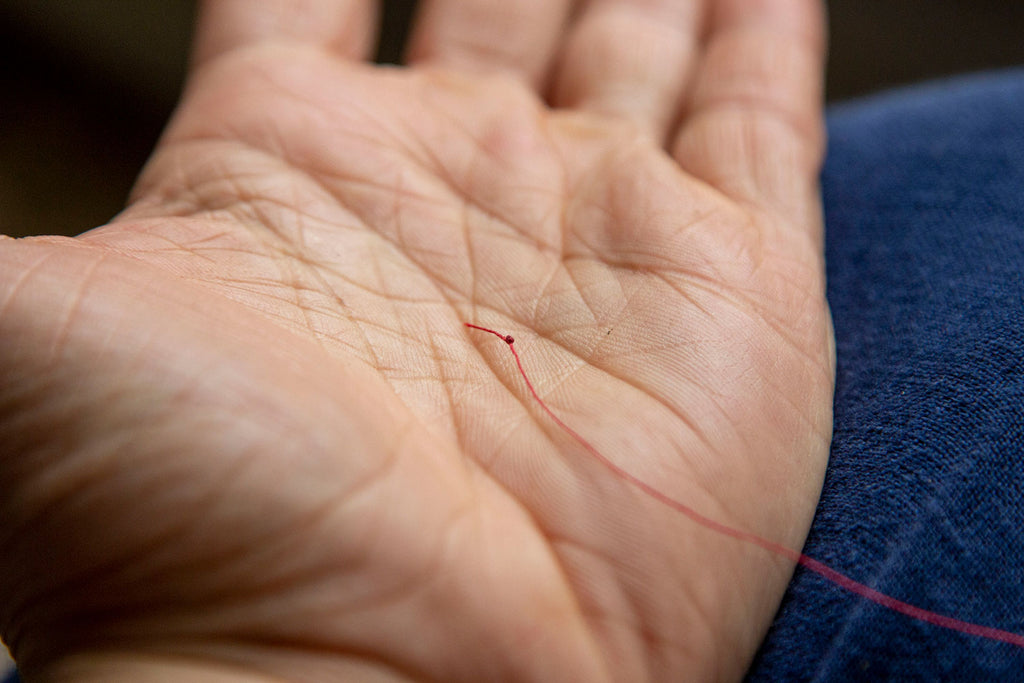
806 561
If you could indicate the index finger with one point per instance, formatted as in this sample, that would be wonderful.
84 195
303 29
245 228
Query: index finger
344 27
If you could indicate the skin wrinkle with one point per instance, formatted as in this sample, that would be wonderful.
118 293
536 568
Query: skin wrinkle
297 287
442 376
474 36
202 204
297 240
721 512
136 230
178 248
627 301
743 307
621 260
292 674
21 282
439 279
487 51
580 361
71 307
630 622
508 381
794 346
661 401
739 186
670 23
406 590
331 293
553 555
110 567
211 493
451 185
803 420
436 276
470 259
351 181
418 155
123 567
467 199
749 107
267 287
561 164
31 601
803 127
433 167
587 188
626 623
218 648
580 290
488 458
315 272
543 295
535 522
541 422
498 219
375 266
252 287
589 604
361 489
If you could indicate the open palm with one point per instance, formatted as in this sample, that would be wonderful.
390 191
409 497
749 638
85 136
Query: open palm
246 432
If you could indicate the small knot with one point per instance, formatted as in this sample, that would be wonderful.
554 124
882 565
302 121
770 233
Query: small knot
509 339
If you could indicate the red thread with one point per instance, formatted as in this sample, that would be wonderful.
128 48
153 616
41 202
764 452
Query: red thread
806 561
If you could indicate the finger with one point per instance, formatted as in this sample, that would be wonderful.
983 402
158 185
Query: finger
630 59
344 27
754 127
518 36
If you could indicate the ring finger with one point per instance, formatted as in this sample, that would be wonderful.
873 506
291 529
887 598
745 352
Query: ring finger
630 59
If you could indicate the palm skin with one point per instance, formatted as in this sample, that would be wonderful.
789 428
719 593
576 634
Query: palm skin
247 434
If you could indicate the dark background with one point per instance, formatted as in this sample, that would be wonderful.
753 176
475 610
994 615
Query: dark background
86 85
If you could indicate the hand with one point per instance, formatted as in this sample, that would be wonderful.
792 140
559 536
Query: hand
246 434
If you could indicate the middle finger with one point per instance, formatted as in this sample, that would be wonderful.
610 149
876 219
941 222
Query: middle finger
512 36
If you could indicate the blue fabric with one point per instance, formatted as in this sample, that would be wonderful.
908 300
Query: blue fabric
924 203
